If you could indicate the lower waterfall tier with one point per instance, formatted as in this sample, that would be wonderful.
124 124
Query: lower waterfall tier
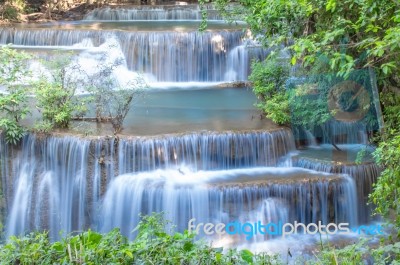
70 184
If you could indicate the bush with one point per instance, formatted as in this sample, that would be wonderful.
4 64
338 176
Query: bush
269 79
14 102
153 245
9 12
156 245
56 96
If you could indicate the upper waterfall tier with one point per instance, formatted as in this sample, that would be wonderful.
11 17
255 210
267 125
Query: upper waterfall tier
162 56
188 12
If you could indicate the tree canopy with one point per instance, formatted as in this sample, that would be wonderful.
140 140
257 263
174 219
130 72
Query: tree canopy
349 34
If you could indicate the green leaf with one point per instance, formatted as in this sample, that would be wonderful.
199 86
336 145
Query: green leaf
129 254
247 256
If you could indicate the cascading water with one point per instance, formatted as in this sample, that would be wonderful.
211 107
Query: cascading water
64 183
364 175
59 182
164 56
48 186
229 195
189 12
56 181
205 151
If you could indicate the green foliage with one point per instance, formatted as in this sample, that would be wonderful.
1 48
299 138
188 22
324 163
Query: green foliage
156 245
43 127
56 96
386 194
391 105
153 245
13 131
308 103
358 253
269 78
349 34
54 103
14 100
30 249
9 12
301 104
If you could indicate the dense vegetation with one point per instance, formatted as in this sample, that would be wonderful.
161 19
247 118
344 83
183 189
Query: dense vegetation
41 10
26 10
153 245
332 36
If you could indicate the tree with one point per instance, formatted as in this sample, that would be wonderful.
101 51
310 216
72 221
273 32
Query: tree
114 100
113 87
14 99
56 92
349 34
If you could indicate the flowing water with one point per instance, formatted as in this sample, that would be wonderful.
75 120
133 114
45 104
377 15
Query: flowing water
191 148
188 12
168 54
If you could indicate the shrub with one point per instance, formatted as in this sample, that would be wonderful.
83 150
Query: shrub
114 100
9 12
269 79
14 101
56 95
153 245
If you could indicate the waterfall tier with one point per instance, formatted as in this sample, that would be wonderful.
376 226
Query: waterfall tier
188 12
70 184
243 195
364 176
165 56
206 151
56 182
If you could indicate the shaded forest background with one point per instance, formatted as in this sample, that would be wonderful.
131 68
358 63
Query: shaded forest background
39 10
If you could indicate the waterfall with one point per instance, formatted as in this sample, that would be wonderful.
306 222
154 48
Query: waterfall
70 184
205 151
239 61
55 182
165 56
338 132
229 195
311 141
189 12
49 186
67 184
346 132
364 176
